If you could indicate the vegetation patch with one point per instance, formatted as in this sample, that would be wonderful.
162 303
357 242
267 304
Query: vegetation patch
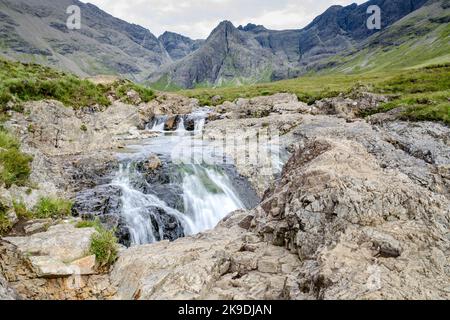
21 210
21 82
425 91
15 166
96 224
104 246
123 87
52 208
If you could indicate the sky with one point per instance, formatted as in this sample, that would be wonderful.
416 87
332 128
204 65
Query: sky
197 18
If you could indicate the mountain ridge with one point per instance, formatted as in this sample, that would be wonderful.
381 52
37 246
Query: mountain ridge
229 56
286 53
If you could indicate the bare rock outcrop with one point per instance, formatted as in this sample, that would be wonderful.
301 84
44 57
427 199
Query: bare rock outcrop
225 263
356 105
261 107
361 231
53 264
172 104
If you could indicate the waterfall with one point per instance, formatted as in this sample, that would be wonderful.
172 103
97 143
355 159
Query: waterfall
196 195
199 125
208 196
180 127
141 220
157 124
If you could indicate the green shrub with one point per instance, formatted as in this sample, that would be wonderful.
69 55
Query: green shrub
104 247
52 208
14 165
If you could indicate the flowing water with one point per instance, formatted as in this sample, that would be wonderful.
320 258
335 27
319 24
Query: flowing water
206 193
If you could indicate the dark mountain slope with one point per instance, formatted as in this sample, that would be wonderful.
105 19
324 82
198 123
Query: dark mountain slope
36 31
179 46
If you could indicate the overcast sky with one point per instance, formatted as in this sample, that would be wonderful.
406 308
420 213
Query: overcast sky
197 18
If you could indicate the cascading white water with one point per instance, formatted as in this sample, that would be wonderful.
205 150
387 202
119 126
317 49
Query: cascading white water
158 124
181 127
208 197
208 193
136 213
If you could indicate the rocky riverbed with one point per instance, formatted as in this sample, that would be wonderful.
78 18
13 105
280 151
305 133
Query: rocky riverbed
358 209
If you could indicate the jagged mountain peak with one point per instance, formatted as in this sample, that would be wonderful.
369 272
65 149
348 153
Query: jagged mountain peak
225 31
179 46
251 27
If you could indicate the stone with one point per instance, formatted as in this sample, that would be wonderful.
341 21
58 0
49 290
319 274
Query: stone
63 242
268 265
152 163
46 266
6 292
35 226
216 99
171 123
133 97
84 266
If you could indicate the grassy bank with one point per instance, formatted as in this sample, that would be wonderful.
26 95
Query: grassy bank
32 82
424 92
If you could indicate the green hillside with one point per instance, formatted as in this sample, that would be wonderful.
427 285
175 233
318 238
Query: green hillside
420 39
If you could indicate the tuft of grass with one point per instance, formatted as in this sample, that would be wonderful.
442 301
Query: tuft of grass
52 208
96 224
5 224
15 166
103 243
22 211
83 128
104 247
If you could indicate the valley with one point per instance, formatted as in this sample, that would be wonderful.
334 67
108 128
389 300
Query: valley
257 164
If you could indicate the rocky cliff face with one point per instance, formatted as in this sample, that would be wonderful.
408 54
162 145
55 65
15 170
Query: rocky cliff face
179 46
227 56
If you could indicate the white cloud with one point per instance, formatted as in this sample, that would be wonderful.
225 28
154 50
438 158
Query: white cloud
197 18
